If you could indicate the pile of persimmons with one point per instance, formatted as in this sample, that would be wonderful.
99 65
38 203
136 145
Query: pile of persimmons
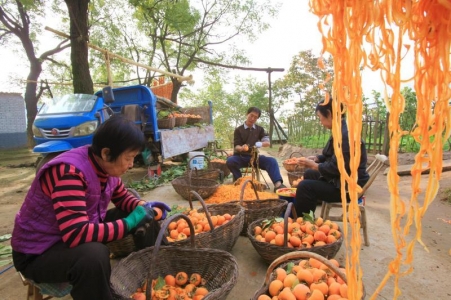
309 279
179 230
172 287
302 232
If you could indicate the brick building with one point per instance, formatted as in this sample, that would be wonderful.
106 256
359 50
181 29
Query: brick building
13 122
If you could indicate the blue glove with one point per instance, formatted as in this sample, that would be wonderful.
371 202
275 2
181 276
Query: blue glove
258 144
163 206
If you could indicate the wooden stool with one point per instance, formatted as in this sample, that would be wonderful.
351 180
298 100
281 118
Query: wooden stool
44 291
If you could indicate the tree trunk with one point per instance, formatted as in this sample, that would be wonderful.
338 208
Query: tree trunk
31 99
78 14
176 85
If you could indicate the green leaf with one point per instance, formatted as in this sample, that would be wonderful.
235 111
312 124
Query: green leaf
5 237
290 266
160 283
309 217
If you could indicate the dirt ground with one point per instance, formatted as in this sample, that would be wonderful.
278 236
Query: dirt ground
430 268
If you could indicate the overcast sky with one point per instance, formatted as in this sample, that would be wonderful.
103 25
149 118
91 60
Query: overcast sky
294 30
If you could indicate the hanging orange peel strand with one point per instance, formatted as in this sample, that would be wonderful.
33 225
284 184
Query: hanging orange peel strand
378 35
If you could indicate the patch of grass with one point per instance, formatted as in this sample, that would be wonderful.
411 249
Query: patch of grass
446 195
19 156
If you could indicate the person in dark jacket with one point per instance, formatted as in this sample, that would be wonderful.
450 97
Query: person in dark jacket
247 136
63 225
322 177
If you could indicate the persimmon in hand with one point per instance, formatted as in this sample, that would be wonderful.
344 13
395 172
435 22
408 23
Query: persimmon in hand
158 213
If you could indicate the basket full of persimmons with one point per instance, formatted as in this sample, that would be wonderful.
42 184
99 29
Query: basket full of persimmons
304 275
172 272
275 236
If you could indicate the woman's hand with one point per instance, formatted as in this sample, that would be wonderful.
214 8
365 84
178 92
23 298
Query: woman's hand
308 163
313 157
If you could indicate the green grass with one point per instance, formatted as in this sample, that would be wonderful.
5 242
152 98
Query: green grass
446 195
17 156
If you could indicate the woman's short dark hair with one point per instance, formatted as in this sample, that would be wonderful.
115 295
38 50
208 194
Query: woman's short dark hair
326 109
254 109
119 135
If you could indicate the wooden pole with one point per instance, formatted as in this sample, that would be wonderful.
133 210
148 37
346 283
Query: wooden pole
188 79
271 113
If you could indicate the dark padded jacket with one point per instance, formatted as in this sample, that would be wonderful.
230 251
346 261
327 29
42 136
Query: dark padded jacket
328 166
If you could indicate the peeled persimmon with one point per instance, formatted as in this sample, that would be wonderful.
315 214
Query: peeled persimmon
269 236
158 213
295 241
264 297
316 295
321 286
330 239
275 287
290 280
279 239
319 274
138 296
257 230
305 275
301 292
169 280
320 236
286 294
344 290
201 291
281 274
334 288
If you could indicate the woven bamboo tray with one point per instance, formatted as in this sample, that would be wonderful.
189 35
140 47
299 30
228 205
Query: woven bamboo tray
291 167
296 174
185 184
223 237
257 209
295 257
270 252
217 267
209 173
168 123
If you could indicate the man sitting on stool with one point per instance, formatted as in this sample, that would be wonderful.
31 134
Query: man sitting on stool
244 138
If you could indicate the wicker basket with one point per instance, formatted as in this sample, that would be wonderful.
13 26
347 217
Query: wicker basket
183 185
291 167
296 174
168 123
126 245
220 166
209 173
295 257
180 121
257 209
270 252
223 237
217 267
192 121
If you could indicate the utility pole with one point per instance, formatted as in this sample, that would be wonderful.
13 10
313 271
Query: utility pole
271 113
